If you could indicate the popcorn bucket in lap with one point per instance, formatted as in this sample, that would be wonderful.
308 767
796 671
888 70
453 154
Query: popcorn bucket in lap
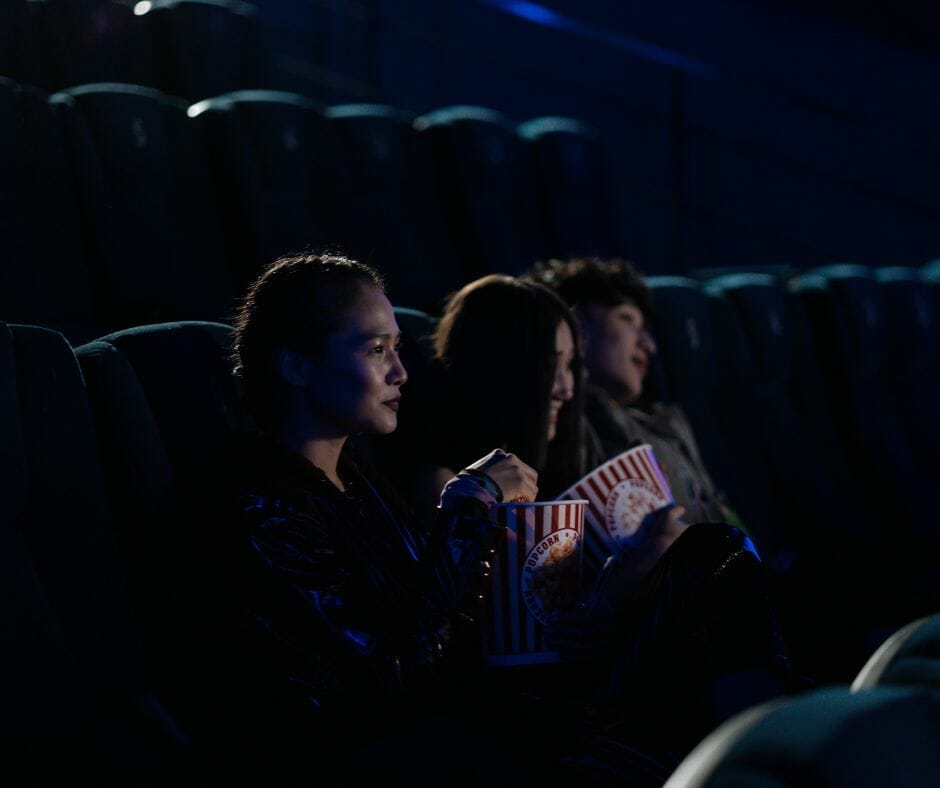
537 570
620 493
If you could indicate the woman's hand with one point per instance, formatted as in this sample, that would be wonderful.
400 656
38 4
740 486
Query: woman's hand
624 571
663 527
516 480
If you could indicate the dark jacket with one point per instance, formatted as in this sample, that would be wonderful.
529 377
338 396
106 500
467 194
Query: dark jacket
667 429
351 623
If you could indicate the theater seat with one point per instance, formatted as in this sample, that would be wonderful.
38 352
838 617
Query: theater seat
484 180
931 275
84 41
205 47
273 162
846 313
697 367
165 406
833 610
154 243
391 215
829 737
908 657
781 272
20 57
44 279
912 367
571 187
78 700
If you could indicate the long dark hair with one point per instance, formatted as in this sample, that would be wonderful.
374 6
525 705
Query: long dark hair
295 303
496 343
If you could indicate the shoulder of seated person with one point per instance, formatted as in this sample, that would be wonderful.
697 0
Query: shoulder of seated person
663 410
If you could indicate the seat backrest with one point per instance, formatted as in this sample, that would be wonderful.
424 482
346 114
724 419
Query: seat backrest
44 279
571 187
911 373
165 404
206 47
828 736
779 271
694 357
930 273
273 164
81 699
84 41
802 460
154 239
20 58
845 311
817 513
910 656
483 178
391 215
183 369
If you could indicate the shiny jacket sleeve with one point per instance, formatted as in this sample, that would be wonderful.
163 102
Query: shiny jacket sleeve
377 605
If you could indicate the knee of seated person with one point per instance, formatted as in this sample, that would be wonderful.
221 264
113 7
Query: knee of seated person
707 547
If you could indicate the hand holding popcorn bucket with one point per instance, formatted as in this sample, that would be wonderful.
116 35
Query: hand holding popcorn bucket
620 494
537 571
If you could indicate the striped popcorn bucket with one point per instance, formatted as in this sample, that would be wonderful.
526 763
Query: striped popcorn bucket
537 570
620 493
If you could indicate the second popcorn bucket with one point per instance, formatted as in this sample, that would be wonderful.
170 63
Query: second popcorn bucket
536 571
620 493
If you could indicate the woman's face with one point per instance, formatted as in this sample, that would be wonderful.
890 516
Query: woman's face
354 385
563 386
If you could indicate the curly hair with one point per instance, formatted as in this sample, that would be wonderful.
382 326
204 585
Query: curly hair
585 280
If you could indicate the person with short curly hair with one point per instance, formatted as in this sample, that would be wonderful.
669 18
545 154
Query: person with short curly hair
614 309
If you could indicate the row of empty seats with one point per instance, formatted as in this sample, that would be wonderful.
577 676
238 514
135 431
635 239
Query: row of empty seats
114 675
124 205
187 48
117 673
813 396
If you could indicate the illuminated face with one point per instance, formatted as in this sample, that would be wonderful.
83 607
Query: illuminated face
563 386
353 386
617 348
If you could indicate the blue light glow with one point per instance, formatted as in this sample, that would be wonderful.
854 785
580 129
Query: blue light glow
533 12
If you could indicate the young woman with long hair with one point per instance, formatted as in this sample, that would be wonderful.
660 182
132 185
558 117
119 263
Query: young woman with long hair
680 632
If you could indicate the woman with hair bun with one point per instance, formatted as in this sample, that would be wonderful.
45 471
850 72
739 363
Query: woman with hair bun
356 625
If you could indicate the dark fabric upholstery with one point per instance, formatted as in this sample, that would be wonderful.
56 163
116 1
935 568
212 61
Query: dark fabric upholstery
483 177
392 217
206 47
909 657
154 243
165 402
84 703
44 278
828 737
273 164
571 187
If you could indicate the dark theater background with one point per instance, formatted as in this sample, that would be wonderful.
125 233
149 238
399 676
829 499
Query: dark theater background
772 167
